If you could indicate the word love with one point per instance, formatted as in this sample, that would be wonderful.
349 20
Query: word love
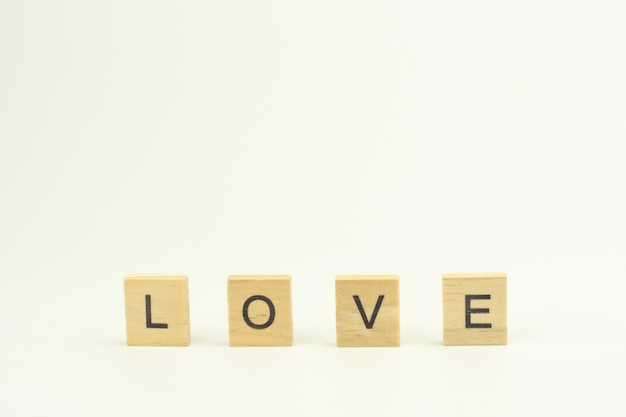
367 310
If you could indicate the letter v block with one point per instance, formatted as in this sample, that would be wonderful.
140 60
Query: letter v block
259 310
474 309
157 310
368 310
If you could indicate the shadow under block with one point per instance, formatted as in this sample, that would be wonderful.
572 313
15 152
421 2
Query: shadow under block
157 310
474 309
368 310
259 310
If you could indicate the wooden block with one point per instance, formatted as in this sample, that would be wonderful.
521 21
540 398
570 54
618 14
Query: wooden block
157 310
474 309
259 310
368 310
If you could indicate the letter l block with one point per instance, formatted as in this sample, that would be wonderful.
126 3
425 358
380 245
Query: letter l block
157 310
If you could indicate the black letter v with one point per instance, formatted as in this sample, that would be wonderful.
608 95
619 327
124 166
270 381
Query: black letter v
368 323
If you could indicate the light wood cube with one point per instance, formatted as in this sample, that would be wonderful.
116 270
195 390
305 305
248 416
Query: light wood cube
474 309
368 310
157 310
259 310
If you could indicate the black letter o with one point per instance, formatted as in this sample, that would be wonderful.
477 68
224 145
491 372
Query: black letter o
269 303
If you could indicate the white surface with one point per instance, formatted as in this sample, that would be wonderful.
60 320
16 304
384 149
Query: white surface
312 139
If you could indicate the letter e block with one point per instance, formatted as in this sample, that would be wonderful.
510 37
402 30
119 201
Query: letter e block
259 310
157 310
474 309
368 310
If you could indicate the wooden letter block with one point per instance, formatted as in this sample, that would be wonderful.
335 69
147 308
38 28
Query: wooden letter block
368 310
474 309
259 310
157 310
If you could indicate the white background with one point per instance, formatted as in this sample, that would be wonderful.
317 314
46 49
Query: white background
313 139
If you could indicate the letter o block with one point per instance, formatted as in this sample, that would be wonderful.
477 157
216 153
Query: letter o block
259 310
368 310
474 309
